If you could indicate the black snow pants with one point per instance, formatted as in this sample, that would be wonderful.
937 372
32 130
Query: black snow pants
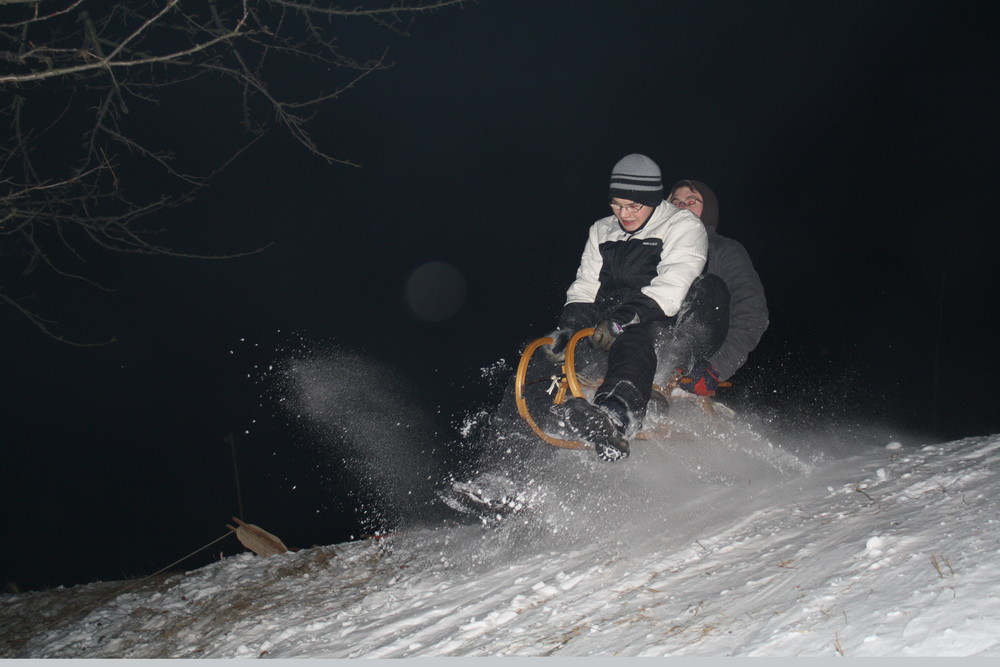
698 330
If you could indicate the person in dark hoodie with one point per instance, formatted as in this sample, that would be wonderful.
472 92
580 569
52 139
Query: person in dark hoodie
748 316
637 269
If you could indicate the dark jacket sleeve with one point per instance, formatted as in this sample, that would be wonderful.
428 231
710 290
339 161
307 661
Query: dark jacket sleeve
748 316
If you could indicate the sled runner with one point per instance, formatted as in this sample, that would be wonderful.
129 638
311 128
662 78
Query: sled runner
535 395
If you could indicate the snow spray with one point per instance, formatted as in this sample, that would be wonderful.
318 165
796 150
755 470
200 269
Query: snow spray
533 497
362 417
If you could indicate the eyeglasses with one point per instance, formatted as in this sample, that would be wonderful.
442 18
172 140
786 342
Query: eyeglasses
631 208
685 203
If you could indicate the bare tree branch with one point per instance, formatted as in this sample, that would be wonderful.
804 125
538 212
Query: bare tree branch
82 84
42 324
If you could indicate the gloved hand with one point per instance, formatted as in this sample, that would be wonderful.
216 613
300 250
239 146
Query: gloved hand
605 334
556 351
702 379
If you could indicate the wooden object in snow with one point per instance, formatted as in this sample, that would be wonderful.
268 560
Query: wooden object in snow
257 539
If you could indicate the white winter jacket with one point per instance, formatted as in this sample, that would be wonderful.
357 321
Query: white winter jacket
647 272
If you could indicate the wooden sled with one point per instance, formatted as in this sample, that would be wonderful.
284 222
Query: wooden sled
256 539
564 382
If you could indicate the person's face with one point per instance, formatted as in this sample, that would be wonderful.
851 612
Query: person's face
630 214
685 197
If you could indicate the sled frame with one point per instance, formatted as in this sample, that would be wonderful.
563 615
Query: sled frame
566 381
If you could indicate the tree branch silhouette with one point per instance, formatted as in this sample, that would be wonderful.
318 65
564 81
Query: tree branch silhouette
85 85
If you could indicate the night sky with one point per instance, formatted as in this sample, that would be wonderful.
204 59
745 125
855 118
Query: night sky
852 145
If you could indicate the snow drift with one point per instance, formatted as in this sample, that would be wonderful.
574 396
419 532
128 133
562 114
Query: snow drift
725 543
720 542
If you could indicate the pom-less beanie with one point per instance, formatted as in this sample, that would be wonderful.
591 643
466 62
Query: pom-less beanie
637 178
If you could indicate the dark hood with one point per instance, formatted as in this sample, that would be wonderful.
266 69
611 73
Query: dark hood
710 214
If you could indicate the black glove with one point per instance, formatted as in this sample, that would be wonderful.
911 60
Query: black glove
556 351
605 333
576 316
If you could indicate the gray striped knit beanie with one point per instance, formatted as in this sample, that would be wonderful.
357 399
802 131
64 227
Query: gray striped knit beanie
637 178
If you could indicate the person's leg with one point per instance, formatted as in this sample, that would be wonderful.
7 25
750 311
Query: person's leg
619 405
702 322
628 380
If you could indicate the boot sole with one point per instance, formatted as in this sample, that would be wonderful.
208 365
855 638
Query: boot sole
591 425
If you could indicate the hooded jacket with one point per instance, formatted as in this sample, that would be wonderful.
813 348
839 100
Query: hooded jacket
748 316
636 276
728 259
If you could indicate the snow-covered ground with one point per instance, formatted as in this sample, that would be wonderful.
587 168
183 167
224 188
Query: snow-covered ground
723 544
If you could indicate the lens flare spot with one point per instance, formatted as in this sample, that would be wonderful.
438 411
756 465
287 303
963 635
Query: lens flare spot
436 291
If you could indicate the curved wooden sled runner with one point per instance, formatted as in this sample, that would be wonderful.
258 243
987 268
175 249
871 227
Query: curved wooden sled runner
565 380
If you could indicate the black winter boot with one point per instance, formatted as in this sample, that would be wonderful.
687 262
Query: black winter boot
596 426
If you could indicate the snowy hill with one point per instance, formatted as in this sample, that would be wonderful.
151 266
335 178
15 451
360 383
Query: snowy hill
723 545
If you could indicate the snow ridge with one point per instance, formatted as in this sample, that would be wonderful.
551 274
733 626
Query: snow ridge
889 551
